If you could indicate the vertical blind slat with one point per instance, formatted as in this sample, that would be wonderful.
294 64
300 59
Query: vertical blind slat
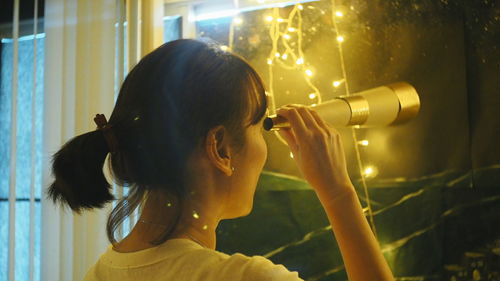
12 187
120 73
33 148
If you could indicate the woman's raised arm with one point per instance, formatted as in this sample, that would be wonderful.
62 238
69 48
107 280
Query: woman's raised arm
319 153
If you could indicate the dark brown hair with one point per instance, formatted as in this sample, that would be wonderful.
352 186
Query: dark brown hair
166 106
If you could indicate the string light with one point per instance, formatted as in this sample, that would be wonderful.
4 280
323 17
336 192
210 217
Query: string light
269 18
286 36
370 172
300 7
292 29
280 20
339 14
277 55
312 96
337 83
269 61
300 61
195 215
291 155
340 38
309 72
284 56
238 21
364 142
224 48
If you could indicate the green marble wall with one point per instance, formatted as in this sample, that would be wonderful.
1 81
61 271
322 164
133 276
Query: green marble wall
427 227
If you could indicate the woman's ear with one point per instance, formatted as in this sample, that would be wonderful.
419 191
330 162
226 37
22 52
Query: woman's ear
218 149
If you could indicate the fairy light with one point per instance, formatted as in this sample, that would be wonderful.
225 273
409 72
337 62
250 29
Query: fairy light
300 7
312 96
238 21
269 61
269 18
340 39
205 227
337 83
224 48
309 72
339 14
287 36
280 20
195 215
277 55
364 142
300 61
292 29
291 155
284 56
370 172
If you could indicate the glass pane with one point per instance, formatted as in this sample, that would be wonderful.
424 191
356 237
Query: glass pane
5 117
4 239
172 28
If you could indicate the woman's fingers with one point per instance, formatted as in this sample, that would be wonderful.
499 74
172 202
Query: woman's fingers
296 122
288 136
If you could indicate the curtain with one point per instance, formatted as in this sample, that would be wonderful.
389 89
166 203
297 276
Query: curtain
79 83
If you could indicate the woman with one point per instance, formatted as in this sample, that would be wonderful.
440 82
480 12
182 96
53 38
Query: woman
186 137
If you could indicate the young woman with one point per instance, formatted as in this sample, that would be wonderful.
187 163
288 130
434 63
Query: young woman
186 137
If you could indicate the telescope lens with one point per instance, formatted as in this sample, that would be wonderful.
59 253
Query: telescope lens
268 124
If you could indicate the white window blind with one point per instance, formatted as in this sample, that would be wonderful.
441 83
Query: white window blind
21 115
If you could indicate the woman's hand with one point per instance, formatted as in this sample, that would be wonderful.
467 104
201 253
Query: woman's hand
317 148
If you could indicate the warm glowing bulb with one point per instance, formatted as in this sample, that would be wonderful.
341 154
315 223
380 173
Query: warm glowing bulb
340 38
286 36
195 215
277 55
269 61
336 83
238 21
300 61
313 105
205 227
269 18
224 48
300 7
291 155
284 56
364 142
309 72
312 96
291 29
339 14
368 171
280 20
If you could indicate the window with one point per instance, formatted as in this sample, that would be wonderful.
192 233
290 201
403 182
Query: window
28 155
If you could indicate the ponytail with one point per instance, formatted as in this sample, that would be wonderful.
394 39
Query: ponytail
77 168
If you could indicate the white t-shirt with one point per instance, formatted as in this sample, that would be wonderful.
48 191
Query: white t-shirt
181 259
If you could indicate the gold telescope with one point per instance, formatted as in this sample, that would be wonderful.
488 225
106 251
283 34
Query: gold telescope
387 105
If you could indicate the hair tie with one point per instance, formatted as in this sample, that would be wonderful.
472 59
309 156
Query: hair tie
102 124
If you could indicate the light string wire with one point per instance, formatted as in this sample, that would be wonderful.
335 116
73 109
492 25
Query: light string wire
353 130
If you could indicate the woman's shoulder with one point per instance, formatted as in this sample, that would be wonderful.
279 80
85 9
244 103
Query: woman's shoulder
255 268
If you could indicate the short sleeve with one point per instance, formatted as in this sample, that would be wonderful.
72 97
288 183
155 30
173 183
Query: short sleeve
256 268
